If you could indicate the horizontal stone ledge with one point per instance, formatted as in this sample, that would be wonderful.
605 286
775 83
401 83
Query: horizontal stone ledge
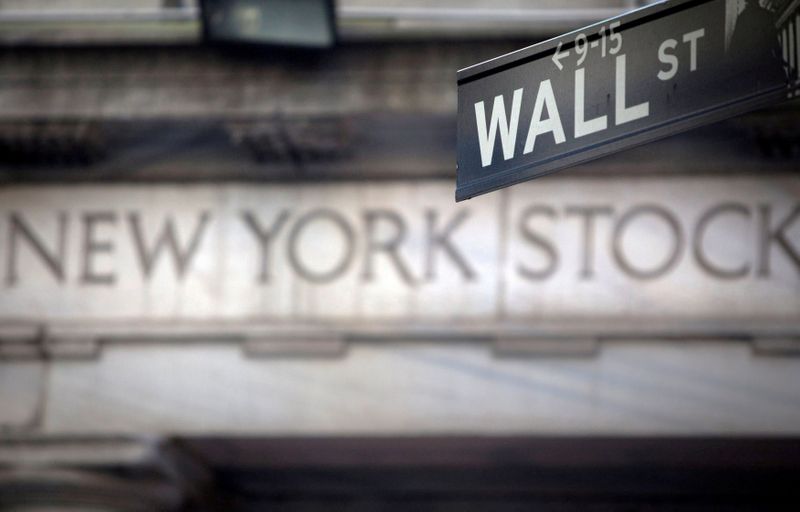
20 341
557 338
777 346
328 346
625 327
514 347
40 450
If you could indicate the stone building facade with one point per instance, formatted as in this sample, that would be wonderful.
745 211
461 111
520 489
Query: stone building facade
236 278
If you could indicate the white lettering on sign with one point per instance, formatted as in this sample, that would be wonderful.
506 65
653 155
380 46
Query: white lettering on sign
667 56
499 122
507 126
609 42
625 114
544 99
692 38
582 45
583 126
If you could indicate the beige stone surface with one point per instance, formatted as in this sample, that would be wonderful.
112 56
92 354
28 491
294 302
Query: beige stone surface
636 388
22 394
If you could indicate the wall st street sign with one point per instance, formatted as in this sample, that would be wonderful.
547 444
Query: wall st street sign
648 74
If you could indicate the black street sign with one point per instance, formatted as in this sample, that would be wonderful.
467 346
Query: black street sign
645 75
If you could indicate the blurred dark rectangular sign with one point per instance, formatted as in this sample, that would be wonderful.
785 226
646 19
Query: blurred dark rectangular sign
629 80
289 23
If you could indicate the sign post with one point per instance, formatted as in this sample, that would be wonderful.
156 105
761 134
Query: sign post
629 80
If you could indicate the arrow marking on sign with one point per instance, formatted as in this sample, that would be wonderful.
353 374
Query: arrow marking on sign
558 56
